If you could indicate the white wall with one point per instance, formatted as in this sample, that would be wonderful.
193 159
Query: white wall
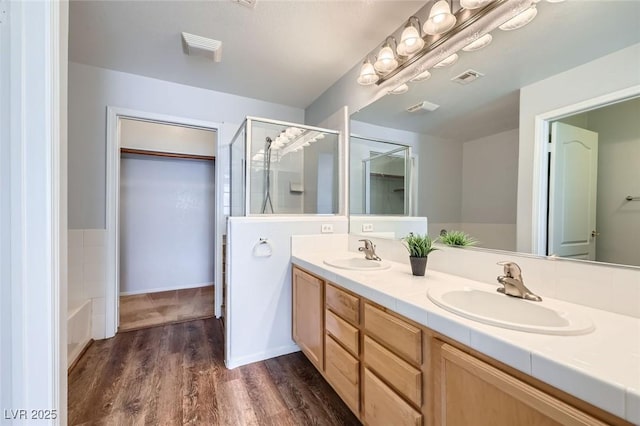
166 223
258 303
91 89
148 136
618 220
489 189
610 73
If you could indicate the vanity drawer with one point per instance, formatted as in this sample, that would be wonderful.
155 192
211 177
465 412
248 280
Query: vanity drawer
400 374
344 304
404 338
343 372
343 332
382 406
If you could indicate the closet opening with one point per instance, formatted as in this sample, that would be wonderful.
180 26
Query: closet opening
166 226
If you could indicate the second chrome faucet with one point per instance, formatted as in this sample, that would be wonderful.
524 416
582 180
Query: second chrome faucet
514 283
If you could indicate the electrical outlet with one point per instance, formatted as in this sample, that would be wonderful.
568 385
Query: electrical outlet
367 227
326 228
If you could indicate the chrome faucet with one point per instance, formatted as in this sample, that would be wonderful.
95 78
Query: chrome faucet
369 250
514 284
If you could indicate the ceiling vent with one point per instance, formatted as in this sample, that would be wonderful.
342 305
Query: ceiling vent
423 106
247 3
467 77
195 45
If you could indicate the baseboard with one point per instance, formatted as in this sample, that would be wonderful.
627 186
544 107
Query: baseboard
260 356
161 289
79 355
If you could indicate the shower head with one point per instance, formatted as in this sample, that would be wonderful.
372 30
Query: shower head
268 139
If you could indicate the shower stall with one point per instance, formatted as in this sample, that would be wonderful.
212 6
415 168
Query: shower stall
280 168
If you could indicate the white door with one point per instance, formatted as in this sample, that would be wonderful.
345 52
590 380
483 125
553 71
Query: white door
572 192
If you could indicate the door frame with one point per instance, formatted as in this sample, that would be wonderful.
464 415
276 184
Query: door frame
114 114
542 128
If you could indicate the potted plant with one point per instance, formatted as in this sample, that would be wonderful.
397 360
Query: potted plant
419 247
458 239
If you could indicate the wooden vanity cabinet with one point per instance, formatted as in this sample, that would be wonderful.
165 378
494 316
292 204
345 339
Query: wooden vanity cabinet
392 371
471 391
308 316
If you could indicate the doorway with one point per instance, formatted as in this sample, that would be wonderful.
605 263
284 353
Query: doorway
160 198
594 178
167 205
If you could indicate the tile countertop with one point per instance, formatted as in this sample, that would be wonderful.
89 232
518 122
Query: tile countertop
602 367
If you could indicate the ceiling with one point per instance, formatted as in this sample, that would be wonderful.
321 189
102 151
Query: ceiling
286 52
561 37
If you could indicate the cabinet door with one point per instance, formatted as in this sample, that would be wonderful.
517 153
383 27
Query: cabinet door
472 392
308 319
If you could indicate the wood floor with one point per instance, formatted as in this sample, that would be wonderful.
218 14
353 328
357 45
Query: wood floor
166 307
175 375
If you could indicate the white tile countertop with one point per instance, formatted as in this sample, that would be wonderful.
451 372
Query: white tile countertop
602 367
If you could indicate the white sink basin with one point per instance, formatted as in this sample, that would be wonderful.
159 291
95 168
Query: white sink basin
358 264
490 307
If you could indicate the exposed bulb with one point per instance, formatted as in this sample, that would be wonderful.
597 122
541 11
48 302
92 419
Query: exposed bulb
440 19
410 41
386 61
368 74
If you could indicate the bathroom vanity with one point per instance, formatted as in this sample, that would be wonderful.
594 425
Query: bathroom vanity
394 370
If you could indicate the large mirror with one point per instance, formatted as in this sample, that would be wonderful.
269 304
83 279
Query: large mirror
505 158
381 189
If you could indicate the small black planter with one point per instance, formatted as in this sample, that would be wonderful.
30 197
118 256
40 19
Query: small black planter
418 265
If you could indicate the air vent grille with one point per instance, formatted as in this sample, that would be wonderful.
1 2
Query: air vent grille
201 46
423 106
247 3
467 77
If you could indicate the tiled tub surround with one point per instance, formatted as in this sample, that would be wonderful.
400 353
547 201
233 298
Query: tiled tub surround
85 319
602 368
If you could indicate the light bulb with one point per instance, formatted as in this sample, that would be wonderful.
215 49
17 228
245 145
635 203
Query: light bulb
450 60
410 41
440 19
386 61
478 44
368 74
520 20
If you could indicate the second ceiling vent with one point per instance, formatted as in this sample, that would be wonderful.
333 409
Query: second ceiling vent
467 77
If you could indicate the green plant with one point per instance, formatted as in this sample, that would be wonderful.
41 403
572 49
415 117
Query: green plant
419 245
458 238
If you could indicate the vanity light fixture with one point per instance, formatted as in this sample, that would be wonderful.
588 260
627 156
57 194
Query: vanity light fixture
386 61
411 41
445 35
440 19
520 20
479 43
474 4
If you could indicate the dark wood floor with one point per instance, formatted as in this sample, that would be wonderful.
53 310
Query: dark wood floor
175 375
